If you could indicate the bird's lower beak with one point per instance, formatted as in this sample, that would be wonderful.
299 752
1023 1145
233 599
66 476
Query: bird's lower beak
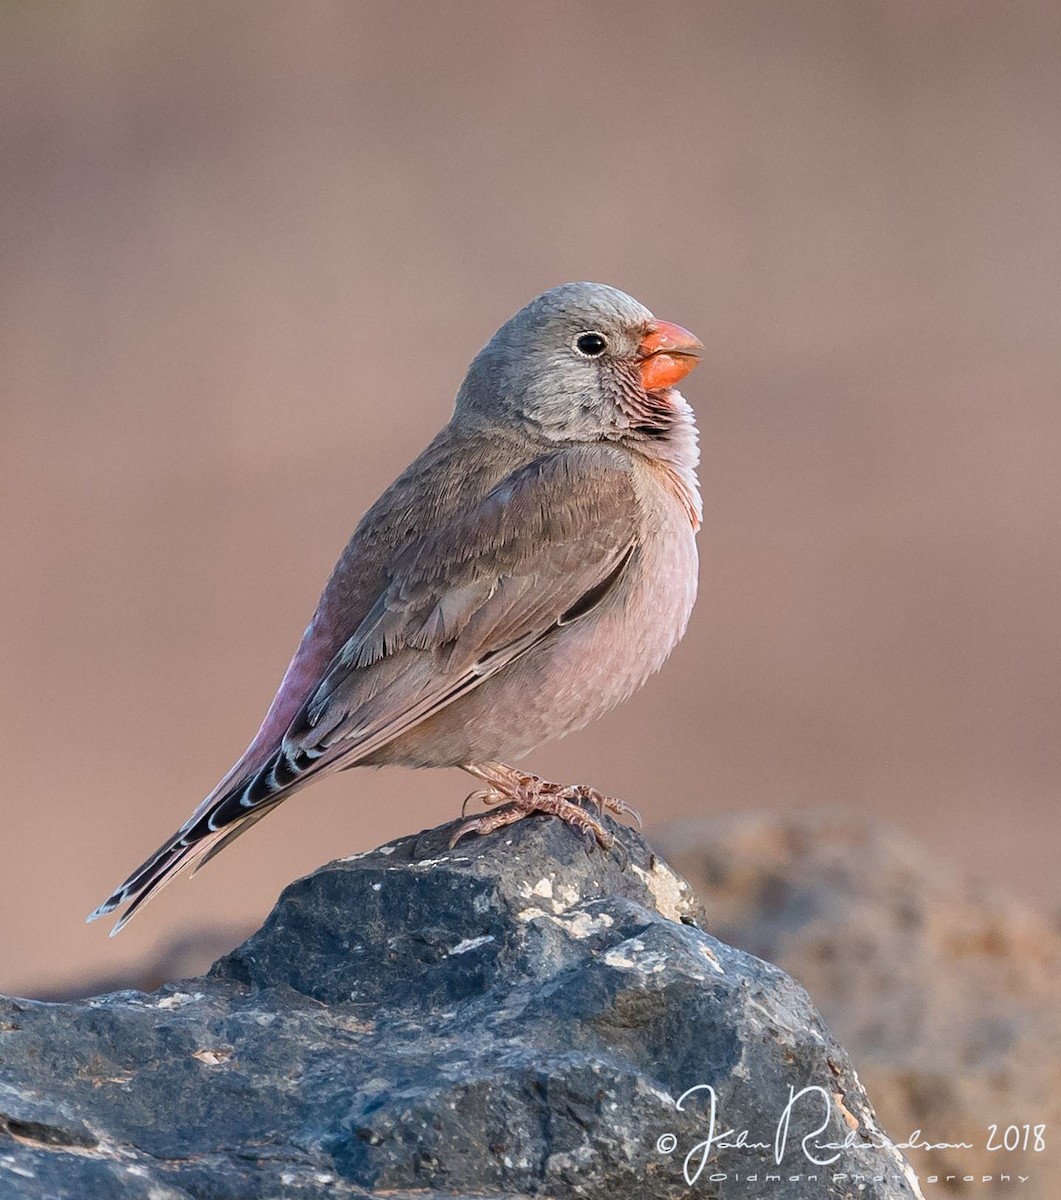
668 353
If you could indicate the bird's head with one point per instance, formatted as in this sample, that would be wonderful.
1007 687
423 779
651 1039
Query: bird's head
582 362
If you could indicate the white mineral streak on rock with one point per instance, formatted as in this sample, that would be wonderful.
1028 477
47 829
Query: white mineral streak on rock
471 944
667 889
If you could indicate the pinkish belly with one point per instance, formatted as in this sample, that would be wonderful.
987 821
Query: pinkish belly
589 668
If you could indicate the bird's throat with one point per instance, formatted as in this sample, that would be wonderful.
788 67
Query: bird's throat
664 432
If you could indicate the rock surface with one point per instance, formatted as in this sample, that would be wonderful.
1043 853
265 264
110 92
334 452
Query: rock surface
947 997
512 1018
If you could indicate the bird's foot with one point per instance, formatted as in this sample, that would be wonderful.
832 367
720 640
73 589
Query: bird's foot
581 793
521 796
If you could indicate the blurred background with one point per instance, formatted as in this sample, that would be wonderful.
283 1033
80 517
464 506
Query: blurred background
246 252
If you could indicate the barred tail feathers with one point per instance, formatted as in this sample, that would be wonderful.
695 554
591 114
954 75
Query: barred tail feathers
223 816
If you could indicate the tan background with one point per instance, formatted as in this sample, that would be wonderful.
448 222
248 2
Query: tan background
247 251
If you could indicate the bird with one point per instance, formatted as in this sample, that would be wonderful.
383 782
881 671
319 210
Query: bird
526 573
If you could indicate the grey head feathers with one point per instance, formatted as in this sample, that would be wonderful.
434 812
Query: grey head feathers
565 366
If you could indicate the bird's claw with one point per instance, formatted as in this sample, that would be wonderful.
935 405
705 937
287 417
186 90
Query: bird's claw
583 794
518 795
488 796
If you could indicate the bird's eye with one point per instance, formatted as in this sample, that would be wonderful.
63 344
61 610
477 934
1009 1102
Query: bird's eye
591 344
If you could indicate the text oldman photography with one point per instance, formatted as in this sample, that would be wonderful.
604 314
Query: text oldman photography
795 1154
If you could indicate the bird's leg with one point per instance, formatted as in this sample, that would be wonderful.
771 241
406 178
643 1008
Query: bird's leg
527 794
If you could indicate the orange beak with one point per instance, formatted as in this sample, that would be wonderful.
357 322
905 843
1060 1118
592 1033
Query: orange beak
668 353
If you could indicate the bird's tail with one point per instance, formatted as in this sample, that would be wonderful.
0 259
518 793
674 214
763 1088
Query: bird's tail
230 810
152 875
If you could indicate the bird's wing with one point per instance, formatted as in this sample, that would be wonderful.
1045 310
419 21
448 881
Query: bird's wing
538 552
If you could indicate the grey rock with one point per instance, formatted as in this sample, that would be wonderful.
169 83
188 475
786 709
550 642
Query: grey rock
512 1018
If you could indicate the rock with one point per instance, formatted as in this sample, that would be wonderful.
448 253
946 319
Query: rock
512 1018
947 997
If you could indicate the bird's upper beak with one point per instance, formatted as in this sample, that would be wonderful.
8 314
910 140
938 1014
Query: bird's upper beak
668 353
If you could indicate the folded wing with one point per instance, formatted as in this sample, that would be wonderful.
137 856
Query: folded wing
538 552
